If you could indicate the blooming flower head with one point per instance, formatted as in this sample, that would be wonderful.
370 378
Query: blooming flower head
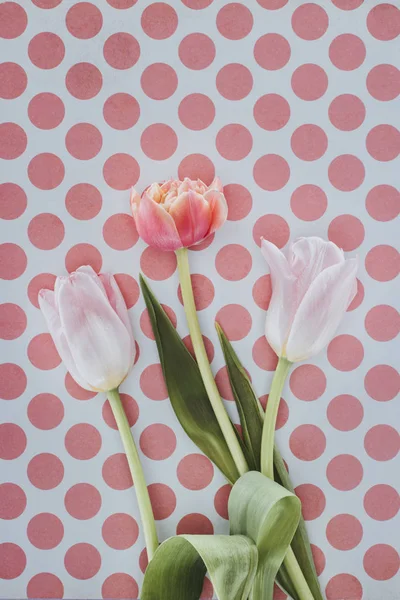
178 214
89 323
312 286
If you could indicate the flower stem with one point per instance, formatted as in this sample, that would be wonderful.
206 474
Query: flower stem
296 576
271 412
135 467
203 363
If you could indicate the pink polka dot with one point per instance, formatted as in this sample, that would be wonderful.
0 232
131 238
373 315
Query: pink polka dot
129 288
347 52
163 500
234 81
207 343
346 112
121 5
273 228
272 4
13 141
46 111
221 500
84 20
45 471
358 298
345 587
239 201
234 21
307 382
119 232
197 166
383 263
121 111
203 291
383 22
159 81
197 4
233 262
83 201
83 141
156 264
307 442
383 202
203 244
344 532
308 202
13 80
83 441
46 171
223 384
119 585
83 254
13 261
12 560
46 231
131 409
196 111
195 524
159 21
382 502
12 501
263 355
145 323
309 142
152 383
262 291
344 472
82 501
235 320
234 141
309 82
382 383
82 561
195 472
283 411
271 112
345 412
347 4
46 50
382 442
310 21
383 142
121 171
12 321
318 558
12 441
116 472
12 381
346 172
382 323
45 531
197 51
312 499
271 172
42 352
381 562
158 441
84 81
272 51
121 51
345 352
347 232
45 585
13 20
159 141
120 531
383 82
45 411
46 4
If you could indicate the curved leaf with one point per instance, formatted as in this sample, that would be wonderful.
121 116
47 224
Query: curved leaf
268 514
179 565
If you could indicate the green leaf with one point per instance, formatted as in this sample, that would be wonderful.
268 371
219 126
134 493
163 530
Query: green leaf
186 389
179 565
268 514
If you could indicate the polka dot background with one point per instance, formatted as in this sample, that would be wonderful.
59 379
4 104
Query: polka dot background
293 105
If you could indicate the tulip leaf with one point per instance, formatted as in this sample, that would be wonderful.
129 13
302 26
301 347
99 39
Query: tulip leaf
186 389
268 514
179 565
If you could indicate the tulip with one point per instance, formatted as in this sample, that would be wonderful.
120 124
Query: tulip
89 323
178 214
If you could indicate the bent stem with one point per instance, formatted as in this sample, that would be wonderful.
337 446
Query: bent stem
203 363
135 467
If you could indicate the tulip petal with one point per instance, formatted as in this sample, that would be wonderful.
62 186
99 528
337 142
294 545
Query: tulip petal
98 340
192 215
281 308
117 301
218 207
321 310
134 200
155 225
216 184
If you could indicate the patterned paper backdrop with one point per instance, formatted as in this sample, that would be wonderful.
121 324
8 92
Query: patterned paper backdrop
294 105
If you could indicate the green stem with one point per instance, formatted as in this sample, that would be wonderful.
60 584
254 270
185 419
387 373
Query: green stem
135 467
271 412
203 363
296 576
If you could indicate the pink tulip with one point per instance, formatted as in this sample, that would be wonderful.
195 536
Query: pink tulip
178 214
89 323
311 289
